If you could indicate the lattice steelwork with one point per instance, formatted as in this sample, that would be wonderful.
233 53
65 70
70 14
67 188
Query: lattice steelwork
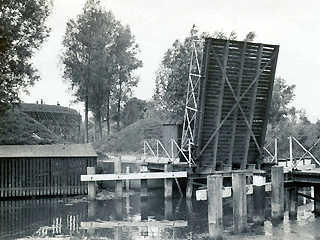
191 110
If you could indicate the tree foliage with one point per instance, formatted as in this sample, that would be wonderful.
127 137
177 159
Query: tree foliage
282 96
286 121
133 111
22 30
98 59
173 72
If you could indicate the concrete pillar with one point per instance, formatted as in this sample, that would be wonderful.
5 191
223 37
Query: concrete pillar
259 199
189 189
277 194
293 203
117 170
91 185
239 202
168 182
215 207
316 194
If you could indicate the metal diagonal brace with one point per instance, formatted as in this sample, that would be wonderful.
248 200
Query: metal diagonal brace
295 165
306 151
238 102
235 97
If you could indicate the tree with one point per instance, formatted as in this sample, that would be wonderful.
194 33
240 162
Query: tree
125 61
22 30
172 75
98 52
133 111
282 96
286 121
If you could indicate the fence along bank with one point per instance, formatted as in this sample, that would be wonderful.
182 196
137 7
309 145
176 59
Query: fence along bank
44 170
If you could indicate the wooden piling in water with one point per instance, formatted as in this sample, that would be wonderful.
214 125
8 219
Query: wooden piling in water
127 181
277 194
144 182
91 185
239 202
316 194
259 199
214 184
118 183
189 189
293 203
168 182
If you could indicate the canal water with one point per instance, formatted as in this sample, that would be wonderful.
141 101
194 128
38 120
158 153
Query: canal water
134 218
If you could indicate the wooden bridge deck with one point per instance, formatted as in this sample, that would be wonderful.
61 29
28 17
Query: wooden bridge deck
304 178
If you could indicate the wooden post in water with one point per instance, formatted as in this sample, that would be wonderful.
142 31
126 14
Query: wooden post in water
92 208
259 198
168 209
117 170
168 182
189 188
127 181
144 182
293 203
214 184
239 202
316 195
91 185
277 194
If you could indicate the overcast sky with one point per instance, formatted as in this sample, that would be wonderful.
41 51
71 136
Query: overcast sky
292 24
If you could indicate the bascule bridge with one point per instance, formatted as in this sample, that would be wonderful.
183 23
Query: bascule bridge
228 100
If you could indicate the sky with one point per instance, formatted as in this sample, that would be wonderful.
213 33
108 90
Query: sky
292 24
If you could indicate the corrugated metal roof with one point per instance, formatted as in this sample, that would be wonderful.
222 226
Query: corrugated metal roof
57 150
173 120
31 107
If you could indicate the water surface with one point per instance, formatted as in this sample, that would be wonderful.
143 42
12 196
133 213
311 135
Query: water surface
134 217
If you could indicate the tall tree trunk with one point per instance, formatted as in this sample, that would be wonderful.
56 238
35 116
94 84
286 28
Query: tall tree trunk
108 113
99 126
86 127
119 105
95 127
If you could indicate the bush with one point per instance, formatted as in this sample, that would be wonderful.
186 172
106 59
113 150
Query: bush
130 139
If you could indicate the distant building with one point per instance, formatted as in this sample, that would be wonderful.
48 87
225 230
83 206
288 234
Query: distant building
63 121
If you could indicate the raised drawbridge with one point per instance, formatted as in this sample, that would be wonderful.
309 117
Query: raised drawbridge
228 100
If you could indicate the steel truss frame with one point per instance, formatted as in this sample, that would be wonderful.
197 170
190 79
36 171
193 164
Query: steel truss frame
192 99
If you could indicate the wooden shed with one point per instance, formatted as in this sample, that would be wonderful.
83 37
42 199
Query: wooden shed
172 129
44 170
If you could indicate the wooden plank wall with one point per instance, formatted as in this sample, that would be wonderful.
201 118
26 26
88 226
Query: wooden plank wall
22 177
222 134
20 218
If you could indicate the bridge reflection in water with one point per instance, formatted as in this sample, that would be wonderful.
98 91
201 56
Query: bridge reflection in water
134 217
